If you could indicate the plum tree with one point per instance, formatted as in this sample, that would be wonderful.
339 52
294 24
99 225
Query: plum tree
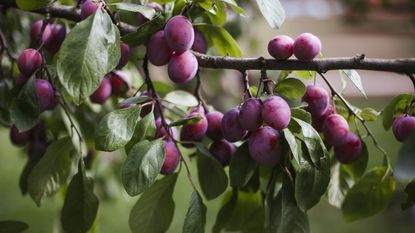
403 126
306 47
89 7
265 146
29 61
231 128
335 130
158 52
19 138
199 44
103 93
179 34
45 94
182 67
276 112
350 150
250 116
171 158
214 130
317 99
222 150
125 52
281 47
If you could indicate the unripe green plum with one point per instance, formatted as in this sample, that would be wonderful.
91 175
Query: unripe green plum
29 61
281 47
335 130
182 67
222 150
171 158
179 33
265 146
214 120
318 100
307 46
350 150
158 52
276 112
403 126
231 128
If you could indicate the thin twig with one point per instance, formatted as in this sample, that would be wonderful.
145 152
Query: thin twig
198 93
245 83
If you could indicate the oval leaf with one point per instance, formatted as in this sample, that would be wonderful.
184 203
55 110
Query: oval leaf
212 178
290 88
116 129
338 186
51 171
81 204
369 196
272 11
219 38
145 129
90 50
29 5
242 167
13 226
142 166
154 211
356 80
182 98
186 121
196 215
146 11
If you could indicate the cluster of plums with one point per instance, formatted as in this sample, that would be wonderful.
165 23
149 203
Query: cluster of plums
172 45
305 47
403 126
35 138
347 145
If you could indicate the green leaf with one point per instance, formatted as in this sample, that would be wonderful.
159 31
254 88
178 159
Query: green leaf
301 114
357 81
369 114
218 37
338 186
225 212
25 109
358 167
154 211
34 158
81 204
292 143
235 7
116 129
137 100
305 74
369 196
406 160
29 5
186 121
51 171
391 110
293 219
145 129
13 226
182 98
90 50
146 11
196 215
162 88
312 140
212 178
311 183
290 88
242 167
410 191
142 166
272 11
145 31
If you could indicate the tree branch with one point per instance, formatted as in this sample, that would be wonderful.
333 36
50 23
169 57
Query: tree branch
402 66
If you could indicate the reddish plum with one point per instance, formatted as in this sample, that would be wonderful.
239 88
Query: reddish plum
281 47
29 61
125 52
102 93
120 82
58 34
214 120
318 100
158 52
194 132
318 122
182 67
45 94
265 146
335 130
36 29
403 126
179 33
306 47
250 115
231 128
19 138
350 151
88 8
199 44
171 158
276 112
222 150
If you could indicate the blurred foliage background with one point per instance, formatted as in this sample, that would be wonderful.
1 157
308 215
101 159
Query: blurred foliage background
377 28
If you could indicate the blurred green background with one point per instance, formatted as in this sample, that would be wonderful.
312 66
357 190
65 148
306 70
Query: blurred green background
380 29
